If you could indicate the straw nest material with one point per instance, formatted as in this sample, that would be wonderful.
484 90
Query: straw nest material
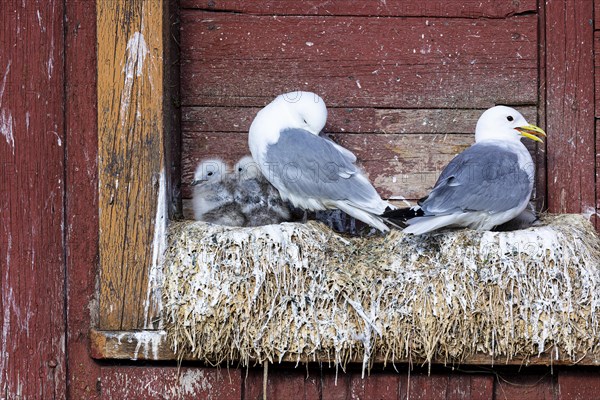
300 292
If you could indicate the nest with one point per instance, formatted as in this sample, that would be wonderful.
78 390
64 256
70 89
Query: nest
301 292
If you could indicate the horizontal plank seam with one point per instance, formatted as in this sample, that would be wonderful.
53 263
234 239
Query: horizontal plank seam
478 17
525 104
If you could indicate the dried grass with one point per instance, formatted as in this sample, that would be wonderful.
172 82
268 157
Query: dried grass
302 292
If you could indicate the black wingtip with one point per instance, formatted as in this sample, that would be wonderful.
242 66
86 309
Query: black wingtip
399 216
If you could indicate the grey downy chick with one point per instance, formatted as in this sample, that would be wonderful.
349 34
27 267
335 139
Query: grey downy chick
260 201
213 197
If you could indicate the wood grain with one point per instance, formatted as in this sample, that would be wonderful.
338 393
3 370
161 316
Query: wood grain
130 154
429 8
81 195
541 185
358 61
527 386
170 382
575 385
570 106
32 154
349 120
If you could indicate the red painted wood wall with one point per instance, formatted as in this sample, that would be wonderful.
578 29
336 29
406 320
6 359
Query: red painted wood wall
48 150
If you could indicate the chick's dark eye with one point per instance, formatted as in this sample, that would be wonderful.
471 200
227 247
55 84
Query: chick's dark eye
510 118
209 174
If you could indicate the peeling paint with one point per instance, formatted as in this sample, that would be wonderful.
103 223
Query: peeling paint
6 118
194 380
6 294
137 51
59 141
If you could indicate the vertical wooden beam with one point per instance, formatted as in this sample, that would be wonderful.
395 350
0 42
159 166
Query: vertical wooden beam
540 160
570 105
81 184
32 150
131 156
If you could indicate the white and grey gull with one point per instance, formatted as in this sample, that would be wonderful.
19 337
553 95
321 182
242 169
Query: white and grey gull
259 200
485 186
311 172
213 194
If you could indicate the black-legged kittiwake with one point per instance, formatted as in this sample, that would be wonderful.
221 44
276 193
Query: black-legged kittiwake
486 185
259 200
213 194
311 172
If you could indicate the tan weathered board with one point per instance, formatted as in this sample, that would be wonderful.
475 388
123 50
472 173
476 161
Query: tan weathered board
131 154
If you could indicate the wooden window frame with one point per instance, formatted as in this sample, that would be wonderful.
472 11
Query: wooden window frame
139 160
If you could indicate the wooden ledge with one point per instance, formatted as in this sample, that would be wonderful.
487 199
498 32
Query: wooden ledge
153 345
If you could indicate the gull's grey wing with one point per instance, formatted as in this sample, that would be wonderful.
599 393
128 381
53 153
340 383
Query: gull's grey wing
306 165
484 177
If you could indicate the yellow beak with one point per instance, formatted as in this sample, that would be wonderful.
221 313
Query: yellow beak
532 132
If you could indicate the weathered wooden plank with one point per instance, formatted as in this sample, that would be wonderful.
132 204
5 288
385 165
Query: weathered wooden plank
81 195
130 345
152 345
172 109
410 8
541 186
528 386
449 386
282 383
349 120
595 217
245 60
576 385
596 14
131 156
32 140
597 72
570 106
142 383
336 386
375 386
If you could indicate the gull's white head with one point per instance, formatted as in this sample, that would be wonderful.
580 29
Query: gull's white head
295 110
247 168
212 170
306 110
505 123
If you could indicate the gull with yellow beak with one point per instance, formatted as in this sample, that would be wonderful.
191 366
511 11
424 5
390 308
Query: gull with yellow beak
486 185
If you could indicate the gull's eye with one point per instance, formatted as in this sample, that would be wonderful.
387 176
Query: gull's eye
240 169
510 118
209 174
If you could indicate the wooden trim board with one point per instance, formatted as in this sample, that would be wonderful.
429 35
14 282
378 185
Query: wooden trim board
131 154
153 345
